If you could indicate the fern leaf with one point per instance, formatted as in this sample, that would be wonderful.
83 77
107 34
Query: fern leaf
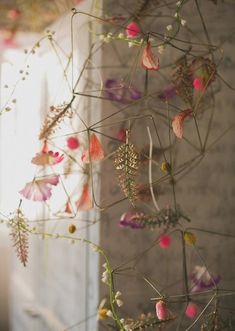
126 162
54 117
19 236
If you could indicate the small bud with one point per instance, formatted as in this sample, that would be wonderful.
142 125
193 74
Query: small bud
72 228
161 310
190 238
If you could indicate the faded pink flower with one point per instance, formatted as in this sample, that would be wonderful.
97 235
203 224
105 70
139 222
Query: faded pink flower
47 158
84 203
95 152
161 310
39 189
165 241
191 310
133 29
149 60
178 121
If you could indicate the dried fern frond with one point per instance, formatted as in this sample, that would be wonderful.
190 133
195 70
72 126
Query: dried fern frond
166 218
182 80
19 236
54 117
126 162
145 322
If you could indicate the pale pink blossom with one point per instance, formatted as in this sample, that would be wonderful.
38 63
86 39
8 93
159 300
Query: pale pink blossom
47 158
84 203
40 189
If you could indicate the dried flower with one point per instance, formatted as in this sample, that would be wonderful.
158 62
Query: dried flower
109 313
161 310
201 279
183 22
191 310
47 158
73 143
129 219
165 166
178 121
169 27
149 60
119 302
118 91
102 314
40 189
72 228
165 241
95 152
132 30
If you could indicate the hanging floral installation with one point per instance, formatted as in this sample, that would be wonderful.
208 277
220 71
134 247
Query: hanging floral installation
161 91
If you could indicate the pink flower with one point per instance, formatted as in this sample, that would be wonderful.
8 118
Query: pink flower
198 85
68 209
164 241
121 134
133 29
47 158
84 203
161 310
95 152
191 310
149 60
178 121
73 143
39 189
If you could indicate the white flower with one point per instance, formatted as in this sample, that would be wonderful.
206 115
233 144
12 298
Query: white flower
130 44
176 15
109 314
119 302
169 27
105 277
121 35
178 3
101 37
183 22
104 265
161 49
118 294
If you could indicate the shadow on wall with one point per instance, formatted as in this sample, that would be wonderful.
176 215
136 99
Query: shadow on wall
4 286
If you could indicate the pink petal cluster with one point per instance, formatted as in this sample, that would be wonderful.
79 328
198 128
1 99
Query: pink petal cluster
178 121
161 310
132 30
47 158
39 189
191 310
73 143
149 60
165 241
95 152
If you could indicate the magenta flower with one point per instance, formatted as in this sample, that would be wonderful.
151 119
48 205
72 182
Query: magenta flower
132 30
191 310
130 219
40 189
161 310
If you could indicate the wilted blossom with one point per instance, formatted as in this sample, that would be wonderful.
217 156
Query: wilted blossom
130 219
202 280
149 60
178 121
95 151
40 189
117 90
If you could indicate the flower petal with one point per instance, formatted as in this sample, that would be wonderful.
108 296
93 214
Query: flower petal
132 30
161 310
95 153
47 158
84 203
178 121
149 60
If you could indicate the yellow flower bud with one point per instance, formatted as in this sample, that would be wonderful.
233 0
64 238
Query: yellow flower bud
102 313
72 228
165 167
190 238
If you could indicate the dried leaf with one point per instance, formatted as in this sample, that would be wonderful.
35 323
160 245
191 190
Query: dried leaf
19 236
126 162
